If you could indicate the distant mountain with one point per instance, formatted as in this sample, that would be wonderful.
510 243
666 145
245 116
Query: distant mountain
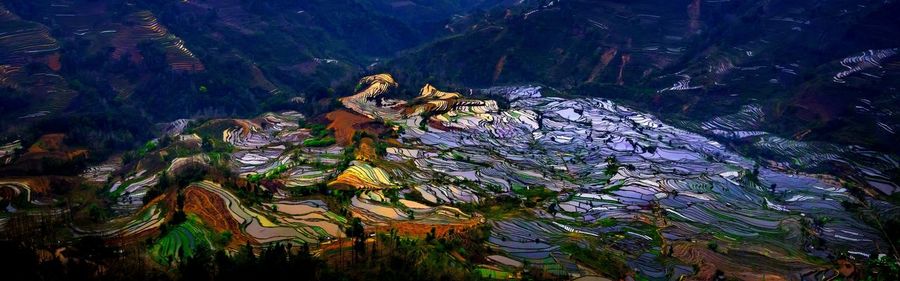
821 70
141 62
486 139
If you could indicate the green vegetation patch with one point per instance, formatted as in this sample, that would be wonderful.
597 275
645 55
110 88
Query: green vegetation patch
149 146
320 136
319 142
182 241
493 274
268 175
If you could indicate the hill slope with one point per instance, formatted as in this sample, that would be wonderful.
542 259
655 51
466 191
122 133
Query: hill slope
692 59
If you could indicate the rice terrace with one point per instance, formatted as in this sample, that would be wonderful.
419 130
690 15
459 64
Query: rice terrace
584 140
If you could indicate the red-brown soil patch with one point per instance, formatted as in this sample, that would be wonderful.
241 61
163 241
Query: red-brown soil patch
345 124
498 69
246 127
439 125
42 185
605 59
846 268
421 229
48 152
214 213
48 142
38 184
53 62
53 145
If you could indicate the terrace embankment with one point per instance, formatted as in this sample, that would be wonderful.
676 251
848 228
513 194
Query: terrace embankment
210 208
35 189
30 65
141 225
143 26
363 176
423 229
745 265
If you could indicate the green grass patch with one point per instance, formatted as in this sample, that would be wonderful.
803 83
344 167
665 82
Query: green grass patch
183 240
268 175
319 142
493 274
149 146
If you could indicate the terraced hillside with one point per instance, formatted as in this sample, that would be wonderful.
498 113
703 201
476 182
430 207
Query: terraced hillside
519 139
209 57
565 43
570 186
145 27
625 172
663 56
690 59
29 65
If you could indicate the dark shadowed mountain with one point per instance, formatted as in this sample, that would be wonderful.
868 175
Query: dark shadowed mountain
822 70
151 61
